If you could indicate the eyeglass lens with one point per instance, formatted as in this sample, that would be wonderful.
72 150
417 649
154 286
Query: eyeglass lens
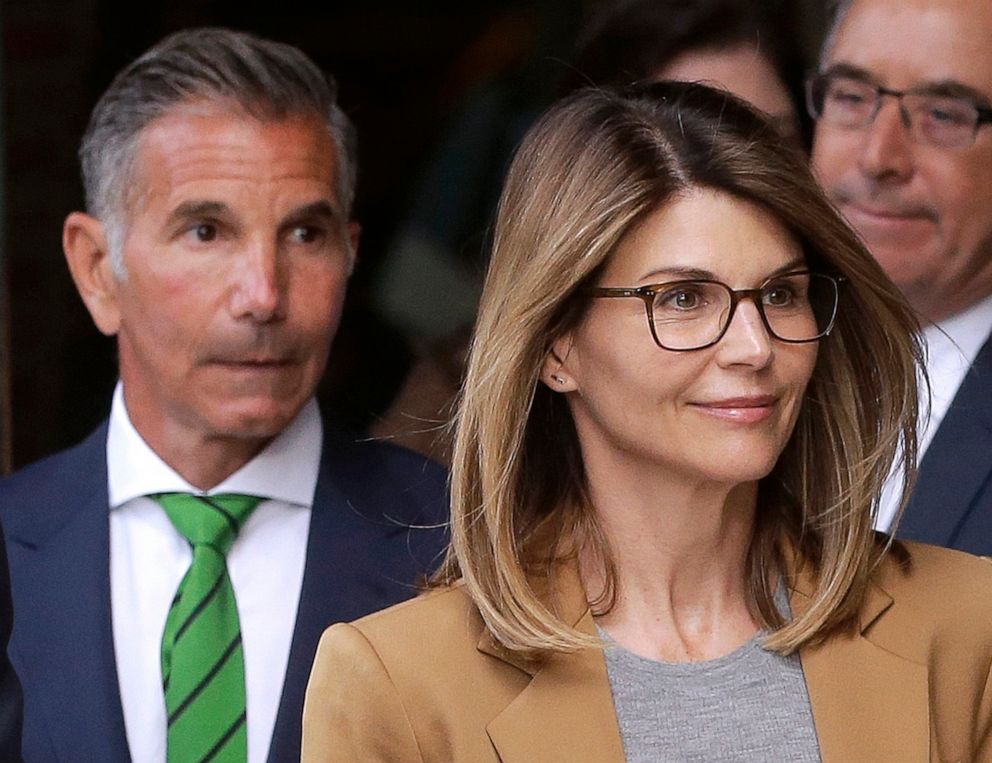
796 307
847 102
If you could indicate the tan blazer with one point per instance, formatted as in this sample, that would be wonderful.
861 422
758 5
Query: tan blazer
425 682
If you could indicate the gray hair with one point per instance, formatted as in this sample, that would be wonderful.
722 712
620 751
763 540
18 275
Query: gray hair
838 12
265 79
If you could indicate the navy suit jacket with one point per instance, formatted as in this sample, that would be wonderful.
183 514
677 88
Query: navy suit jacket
362 555
952 503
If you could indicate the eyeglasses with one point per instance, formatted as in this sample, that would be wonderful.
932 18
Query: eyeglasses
940 120
795 307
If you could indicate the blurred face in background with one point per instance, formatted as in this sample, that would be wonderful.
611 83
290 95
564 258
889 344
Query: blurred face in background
924 210
741 70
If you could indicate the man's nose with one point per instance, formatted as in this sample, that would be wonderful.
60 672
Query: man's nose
887 150
747 340
259 288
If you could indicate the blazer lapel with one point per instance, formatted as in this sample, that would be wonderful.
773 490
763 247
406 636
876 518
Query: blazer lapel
67 577
957 463
566 711
850 681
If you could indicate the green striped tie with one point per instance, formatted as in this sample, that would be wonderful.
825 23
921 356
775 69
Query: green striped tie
203 669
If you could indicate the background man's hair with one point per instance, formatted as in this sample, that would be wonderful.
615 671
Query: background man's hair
265 79
838 12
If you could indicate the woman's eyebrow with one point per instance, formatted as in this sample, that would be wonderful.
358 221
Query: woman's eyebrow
698 274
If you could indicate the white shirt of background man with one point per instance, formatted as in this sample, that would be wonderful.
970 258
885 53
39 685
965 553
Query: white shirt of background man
148 559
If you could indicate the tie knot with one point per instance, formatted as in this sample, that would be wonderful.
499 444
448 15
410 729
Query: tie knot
211 520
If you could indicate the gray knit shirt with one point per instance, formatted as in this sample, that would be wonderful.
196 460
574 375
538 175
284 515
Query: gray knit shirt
750 705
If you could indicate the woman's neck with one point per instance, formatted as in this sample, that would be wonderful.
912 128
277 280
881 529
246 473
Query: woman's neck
680 554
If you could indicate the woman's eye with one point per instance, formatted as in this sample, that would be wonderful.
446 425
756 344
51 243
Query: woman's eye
679 299
778 297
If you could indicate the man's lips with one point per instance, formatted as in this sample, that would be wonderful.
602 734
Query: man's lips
747 409
885 215
250 364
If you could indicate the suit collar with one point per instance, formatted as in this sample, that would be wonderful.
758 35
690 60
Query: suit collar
848 677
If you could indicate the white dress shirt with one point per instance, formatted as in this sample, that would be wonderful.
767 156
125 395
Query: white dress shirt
951 348
148 559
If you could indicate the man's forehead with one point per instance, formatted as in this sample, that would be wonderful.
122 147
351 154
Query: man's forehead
188 148
913 43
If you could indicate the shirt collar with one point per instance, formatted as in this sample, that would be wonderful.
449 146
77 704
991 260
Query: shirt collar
960 337
286 469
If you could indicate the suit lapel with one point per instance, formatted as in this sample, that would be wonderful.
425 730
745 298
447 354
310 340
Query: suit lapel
344 578
67 576
957 463
321 598
851 681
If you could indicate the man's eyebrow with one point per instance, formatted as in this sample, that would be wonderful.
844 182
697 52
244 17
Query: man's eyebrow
852 71
950 88
318 210
197 209
953 89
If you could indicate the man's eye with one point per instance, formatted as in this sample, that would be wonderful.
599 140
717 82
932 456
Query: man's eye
949 113
205 232
306 234
848 94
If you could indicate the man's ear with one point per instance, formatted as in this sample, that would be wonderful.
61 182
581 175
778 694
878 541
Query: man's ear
556 373
84 241
354 235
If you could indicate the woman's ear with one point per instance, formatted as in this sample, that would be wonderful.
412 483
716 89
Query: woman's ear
556 373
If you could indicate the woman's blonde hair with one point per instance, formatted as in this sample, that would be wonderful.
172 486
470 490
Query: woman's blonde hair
594 166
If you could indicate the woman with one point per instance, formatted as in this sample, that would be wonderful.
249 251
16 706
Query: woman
687 385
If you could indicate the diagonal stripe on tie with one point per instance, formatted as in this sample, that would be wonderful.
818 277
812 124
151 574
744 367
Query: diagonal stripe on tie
202 653
228 736
205 681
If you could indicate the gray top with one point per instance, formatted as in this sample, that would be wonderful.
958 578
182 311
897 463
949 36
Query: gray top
750 705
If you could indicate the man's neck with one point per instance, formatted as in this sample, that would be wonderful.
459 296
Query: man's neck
202 460
204 463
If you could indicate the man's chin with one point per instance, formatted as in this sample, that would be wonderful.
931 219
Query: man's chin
257 420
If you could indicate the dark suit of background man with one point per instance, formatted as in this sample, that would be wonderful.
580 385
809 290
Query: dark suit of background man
903 144
10 689
217 245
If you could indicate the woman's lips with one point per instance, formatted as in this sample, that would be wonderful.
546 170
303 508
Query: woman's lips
745 410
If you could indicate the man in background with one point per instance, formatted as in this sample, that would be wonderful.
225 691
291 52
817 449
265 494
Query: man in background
173 573
903 145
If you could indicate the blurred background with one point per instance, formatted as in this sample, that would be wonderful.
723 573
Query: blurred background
440 93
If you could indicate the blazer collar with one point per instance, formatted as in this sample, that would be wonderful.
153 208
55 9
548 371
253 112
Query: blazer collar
868 702
566 711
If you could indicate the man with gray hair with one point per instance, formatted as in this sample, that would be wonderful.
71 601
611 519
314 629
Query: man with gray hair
172 574
903 145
